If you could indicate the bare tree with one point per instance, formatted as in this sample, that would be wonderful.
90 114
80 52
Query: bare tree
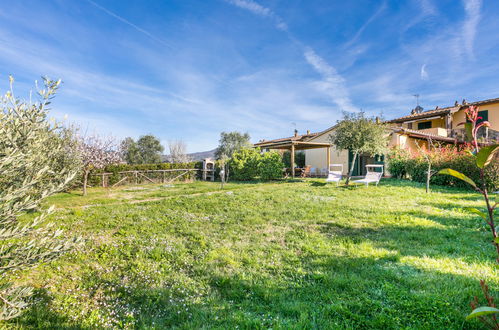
178 152
96 152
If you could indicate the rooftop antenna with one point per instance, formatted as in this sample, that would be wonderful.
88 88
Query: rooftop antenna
417 99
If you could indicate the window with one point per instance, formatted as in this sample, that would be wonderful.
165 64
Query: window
424 125
484 114
409 126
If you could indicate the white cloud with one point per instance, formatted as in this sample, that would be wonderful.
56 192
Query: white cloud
472 9
252 6
428 8
333 83
364 26
127 22
424 74
260 10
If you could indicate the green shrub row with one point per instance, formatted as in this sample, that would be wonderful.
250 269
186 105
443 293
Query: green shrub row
404 164
249 164
96 179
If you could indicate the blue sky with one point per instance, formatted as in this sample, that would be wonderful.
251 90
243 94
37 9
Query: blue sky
188 70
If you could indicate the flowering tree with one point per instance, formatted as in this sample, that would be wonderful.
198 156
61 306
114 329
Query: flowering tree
178 152
484 156
31 151
96 153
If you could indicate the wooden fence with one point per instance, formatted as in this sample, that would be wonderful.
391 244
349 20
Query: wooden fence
148 176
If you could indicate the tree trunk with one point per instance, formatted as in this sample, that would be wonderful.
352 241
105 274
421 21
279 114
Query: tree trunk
85 180
351 168
428 176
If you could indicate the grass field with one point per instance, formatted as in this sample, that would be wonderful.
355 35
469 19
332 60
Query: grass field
265 255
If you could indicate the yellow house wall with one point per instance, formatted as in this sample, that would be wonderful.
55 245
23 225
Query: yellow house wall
460 117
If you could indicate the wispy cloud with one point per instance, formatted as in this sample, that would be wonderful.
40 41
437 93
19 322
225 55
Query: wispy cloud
472 9
424 74
359 32
127 22
260 10
428 7
332 82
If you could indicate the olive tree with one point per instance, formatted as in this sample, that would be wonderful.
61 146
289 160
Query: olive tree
229 143
31 150
360 135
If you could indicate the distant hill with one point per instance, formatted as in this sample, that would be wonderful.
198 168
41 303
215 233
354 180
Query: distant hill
196 156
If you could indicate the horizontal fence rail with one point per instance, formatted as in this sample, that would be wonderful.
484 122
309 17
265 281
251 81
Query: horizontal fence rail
113 179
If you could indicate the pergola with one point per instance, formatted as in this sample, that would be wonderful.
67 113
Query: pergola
292 144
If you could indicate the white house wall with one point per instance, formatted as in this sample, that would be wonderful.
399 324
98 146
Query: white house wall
318 157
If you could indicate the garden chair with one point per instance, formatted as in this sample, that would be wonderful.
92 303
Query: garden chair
306 171
372 176
313 172
336 174
324 172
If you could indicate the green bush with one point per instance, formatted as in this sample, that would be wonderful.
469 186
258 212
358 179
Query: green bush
402 164
270 166
243 165
95 179
397 163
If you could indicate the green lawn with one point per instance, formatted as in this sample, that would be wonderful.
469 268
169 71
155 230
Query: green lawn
265 255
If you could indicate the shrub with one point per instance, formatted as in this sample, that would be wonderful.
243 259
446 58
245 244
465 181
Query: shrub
95 180
402 163
244 164
270 166
397 163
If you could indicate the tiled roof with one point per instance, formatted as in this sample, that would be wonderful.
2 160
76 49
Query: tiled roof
441 111
426 114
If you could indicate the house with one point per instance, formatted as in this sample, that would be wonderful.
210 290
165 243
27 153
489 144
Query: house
417 128
442 125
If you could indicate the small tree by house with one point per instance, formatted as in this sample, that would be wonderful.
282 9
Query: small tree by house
96 153
35 162
229 143
360 135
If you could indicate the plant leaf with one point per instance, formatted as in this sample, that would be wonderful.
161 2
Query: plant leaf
477 211
485 155
456 174
496 240
481 311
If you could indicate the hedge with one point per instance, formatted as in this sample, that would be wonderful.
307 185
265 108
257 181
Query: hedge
250 164
95 179
403 164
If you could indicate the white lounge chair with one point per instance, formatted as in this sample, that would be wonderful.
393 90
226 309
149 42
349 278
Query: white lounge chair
372 176
336 174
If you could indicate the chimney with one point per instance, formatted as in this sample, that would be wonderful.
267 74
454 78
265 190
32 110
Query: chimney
308 131
456 104
465 102
296 132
